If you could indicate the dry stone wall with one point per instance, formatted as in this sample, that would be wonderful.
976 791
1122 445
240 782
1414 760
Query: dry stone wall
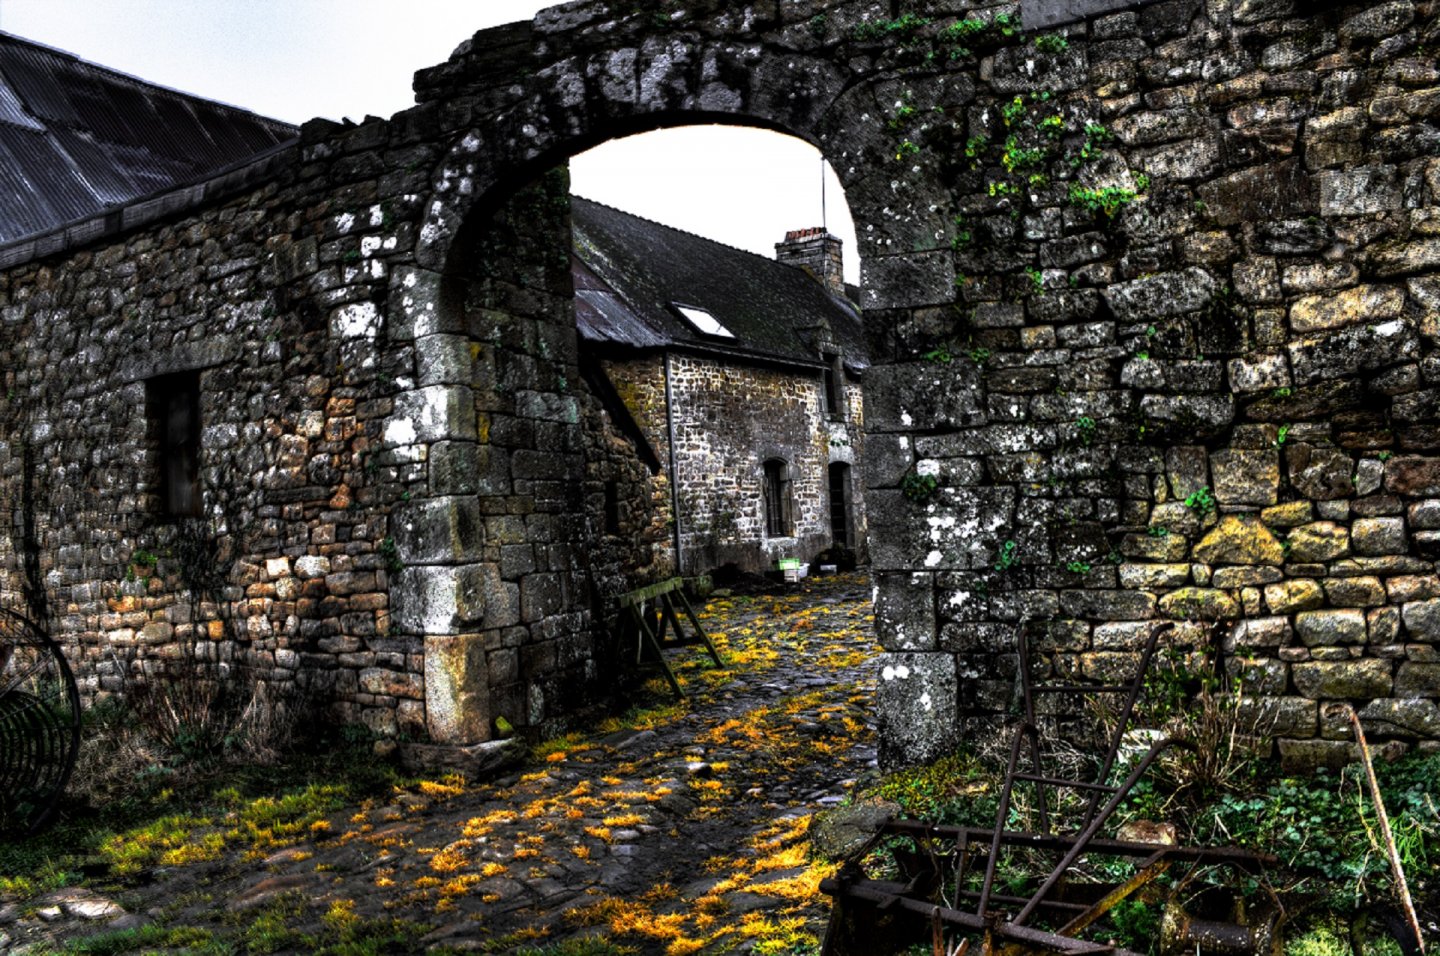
1152 299
1187 375
289 575
283 573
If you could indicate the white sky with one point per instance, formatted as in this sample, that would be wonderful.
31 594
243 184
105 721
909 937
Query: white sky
297 59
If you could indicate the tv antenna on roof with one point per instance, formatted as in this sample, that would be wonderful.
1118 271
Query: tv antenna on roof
824 211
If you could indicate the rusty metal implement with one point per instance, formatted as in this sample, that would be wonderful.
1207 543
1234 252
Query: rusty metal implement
39 724
937 897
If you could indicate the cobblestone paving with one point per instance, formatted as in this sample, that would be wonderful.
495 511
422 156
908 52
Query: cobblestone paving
680 830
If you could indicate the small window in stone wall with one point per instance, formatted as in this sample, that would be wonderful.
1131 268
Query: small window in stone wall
612 507
779 509
173 407
834 387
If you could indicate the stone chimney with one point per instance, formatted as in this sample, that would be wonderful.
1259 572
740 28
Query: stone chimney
818 253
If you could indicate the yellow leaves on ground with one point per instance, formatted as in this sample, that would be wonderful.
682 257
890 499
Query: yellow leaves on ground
450 785
580 798
636 918
477 827
624 820
452 858
777 937
704 922
801 888
783 859
734 731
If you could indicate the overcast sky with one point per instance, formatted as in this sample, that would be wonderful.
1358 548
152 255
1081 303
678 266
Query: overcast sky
297 59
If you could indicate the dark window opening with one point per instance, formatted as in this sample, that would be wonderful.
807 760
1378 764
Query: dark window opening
612 507
173 406
834 387
840 505
779 519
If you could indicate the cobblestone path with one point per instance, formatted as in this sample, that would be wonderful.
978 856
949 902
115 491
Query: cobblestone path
682 829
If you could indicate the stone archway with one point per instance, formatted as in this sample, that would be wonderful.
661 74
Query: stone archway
452 590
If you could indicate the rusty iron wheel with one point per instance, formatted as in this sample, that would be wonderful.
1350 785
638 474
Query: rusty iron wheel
39 724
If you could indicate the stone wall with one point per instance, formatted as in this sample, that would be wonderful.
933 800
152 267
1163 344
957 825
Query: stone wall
547 566
1188 377
729 420
639 383
286 576
729 417
284 572
1181 253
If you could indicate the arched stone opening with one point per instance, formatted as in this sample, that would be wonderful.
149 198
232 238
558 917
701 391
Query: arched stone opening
512 564
1147 315
483 627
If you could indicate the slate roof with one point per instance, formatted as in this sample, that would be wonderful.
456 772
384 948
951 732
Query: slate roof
630 272
77 138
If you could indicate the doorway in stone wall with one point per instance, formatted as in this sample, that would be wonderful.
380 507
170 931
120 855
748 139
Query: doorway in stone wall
841 527
515 101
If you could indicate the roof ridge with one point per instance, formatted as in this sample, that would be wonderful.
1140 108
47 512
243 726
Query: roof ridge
685 232
5 35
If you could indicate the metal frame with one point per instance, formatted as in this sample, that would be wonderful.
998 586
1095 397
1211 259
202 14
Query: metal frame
39 723
1001 920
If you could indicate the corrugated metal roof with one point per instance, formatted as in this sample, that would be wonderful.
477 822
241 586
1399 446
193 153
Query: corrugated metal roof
77 138
631 272
12 111
26 210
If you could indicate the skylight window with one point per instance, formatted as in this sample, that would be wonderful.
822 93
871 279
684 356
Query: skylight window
703 322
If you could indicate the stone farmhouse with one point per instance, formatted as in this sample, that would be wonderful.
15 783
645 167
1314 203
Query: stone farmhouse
1150 294
742 373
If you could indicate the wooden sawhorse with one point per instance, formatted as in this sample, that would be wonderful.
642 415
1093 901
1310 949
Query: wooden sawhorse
647 626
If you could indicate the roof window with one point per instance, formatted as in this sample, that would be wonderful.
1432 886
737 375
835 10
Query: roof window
702 321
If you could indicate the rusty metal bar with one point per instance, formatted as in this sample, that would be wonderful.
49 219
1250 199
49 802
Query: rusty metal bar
966 836
966 841
1000 814
1126 713
1056 782
1151 868
969 921
1179 931
1396 869
1082 840
1001 898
